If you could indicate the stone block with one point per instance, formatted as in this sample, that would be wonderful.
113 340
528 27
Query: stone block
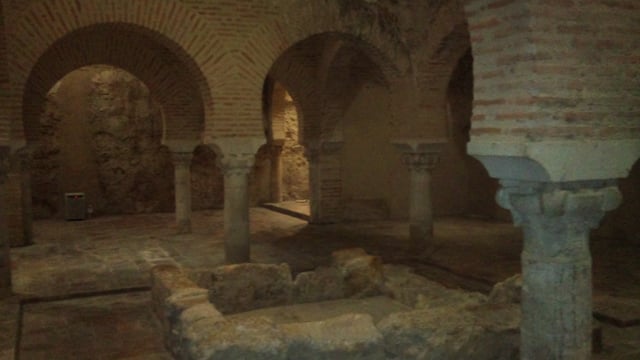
175 305
449 332
324 283
507 291
350 336
340 257
401 284
449 298
244 287
192 326
165 281
248 339
363 274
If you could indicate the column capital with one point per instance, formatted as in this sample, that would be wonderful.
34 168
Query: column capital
420 154
236 156
236 164
181 158
419 161
579 205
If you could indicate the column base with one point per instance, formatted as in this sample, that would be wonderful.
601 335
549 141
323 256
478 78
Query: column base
183 227
420 237
235 254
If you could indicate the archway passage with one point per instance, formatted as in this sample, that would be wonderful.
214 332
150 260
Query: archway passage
100 134
341 86
281 175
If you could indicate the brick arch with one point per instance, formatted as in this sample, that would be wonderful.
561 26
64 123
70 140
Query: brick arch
181 32
434 72
298 80
252 61
312 17
310 76
118 45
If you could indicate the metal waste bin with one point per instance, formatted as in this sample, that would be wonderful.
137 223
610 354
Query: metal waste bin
75 206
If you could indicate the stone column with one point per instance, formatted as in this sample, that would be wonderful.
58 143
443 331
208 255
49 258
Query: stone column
235 157
276 171
27 201
421 157
556 262
236 209
182 168
325 181
5 261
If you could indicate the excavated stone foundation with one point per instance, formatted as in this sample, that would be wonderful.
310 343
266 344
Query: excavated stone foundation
354 308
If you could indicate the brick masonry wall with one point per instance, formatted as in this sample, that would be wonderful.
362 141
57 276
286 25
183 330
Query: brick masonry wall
556 69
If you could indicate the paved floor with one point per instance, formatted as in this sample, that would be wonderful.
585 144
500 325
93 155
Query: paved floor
82 285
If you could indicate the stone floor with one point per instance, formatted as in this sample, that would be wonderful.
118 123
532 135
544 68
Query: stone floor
83 285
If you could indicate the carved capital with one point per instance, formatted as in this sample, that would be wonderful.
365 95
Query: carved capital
236 164
420 154
181 159
576 206
420 161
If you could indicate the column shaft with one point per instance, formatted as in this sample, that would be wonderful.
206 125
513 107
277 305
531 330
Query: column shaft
276 173
5 255
556 263
556 296
236 216
325 181
182 168
420 208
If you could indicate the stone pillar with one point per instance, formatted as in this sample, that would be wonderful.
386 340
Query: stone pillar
19 214
421 157
236 209
182 168
325 181
5 261
276 171
26 198
236 157
556 262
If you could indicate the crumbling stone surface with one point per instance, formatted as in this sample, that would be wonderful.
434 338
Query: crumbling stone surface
175 305
324 283
243 287
449 298
248 339
403 285
445 323
363 273
508 291
101 125
351 336
165 281
449 332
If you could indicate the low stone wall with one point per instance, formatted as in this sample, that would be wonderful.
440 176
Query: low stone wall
444 323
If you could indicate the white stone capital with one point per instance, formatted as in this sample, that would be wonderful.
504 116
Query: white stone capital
556 160
576 204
